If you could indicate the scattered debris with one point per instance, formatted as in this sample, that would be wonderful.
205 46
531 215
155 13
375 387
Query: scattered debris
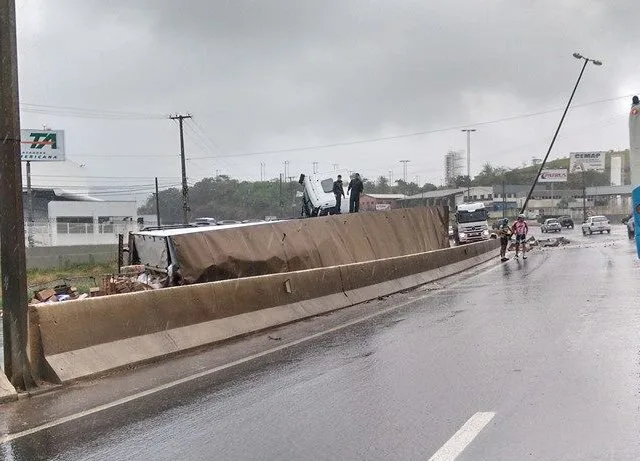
44 295
56 294
554 242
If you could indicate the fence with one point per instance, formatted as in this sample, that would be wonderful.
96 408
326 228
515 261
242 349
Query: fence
51 233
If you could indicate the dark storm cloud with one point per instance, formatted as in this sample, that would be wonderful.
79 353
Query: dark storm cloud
265 74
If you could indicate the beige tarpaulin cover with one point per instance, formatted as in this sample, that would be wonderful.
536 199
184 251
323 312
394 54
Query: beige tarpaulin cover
309 243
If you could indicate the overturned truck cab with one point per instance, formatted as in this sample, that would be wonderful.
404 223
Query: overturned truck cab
318 198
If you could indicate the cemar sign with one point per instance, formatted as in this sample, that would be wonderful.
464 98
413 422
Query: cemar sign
553 176
42 145
586 161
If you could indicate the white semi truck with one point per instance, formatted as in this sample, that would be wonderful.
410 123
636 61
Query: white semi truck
471 223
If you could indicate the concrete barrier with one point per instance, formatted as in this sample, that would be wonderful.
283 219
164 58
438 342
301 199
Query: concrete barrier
88 337
7 391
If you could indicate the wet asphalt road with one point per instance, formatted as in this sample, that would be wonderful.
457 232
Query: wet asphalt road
551 345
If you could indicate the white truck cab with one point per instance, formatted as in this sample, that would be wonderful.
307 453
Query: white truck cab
471 223
318 198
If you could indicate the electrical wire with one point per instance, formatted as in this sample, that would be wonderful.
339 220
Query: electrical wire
417 133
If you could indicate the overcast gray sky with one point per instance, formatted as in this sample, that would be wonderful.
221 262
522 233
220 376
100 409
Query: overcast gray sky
276 75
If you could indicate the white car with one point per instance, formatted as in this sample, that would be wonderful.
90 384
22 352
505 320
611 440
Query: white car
596 224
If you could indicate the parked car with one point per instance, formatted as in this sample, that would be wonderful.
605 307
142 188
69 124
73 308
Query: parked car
631 225
551 225
566 221
205 222
596 224
225 222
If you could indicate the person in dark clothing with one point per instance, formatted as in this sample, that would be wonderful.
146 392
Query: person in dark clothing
504 231
338 191
354 190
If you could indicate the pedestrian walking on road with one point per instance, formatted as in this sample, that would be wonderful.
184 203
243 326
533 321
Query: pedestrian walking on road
504 232
520 228
356 187
338 191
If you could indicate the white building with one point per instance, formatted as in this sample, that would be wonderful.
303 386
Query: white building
63 212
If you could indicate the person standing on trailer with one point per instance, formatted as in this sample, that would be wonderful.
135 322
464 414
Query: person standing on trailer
338 191
356 187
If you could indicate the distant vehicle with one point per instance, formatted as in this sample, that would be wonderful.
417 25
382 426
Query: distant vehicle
246 221
566 221
225 222
205 222
596 224
471 223
631 226
551 225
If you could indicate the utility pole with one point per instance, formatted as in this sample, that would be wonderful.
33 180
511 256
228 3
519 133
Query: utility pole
504 199
263 171
584 197
404 169
12 251
157 203
183 164
469 131
281 200
286 168
404 174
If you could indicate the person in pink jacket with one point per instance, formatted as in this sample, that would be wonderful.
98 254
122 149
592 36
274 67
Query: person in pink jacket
520 229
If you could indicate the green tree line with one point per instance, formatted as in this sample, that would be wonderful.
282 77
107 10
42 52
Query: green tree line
224 197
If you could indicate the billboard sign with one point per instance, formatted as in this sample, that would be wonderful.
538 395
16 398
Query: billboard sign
553 176
587 161
42 145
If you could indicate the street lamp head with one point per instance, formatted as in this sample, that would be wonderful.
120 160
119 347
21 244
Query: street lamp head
597 63
577 55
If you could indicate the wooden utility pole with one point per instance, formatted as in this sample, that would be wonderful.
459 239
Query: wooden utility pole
183 164
12 249
157 203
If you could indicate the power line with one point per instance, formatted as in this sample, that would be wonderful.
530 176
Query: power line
414 134
78 112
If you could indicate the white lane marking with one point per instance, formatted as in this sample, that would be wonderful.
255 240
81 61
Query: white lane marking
56 422
461 439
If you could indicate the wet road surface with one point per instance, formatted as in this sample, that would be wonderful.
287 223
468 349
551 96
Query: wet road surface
535 359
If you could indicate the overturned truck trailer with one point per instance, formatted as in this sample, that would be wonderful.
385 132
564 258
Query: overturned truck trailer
196 255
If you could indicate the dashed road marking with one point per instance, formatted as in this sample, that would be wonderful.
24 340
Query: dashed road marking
461 439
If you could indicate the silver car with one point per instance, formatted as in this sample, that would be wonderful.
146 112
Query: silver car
551 225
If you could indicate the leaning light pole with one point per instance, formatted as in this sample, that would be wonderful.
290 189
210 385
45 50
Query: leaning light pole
566 109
